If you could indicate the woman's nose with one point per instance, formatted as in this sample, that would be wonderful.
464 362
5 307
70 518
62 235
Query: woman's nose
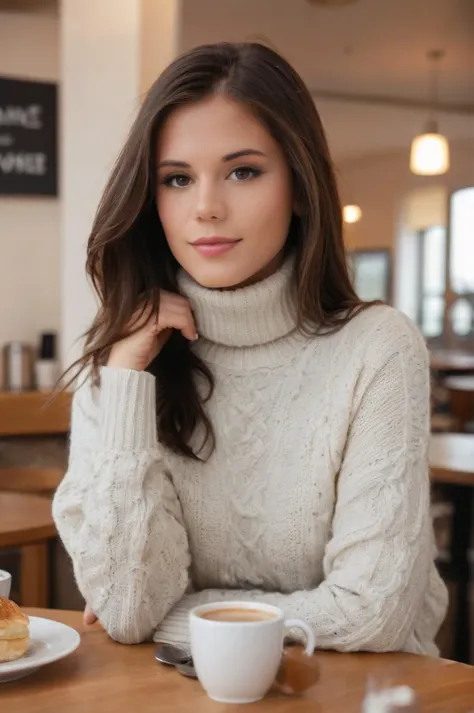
210 203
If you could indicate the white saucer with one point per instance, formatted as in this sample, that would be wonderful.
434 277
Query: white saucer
50 641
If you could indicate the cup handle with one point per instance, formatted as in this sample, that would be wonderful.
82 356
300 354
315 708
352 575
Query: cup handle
309 633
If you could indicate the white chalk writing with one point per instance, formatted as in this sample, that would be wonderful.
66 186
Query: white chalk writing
31 164
26 117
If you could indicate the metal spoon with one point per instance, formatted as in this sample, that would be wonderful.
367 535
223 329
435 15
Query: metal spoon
187 670
172 655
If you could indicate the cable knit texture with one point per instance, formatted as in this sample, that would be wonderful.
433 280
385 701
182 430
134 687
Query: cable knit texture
315 499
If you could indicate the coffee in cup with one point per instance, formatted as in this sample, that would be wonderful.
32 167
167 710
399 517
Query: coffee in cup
236 614
237 648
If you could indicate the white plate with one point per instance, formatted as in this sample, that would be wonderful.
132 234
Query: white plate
50 641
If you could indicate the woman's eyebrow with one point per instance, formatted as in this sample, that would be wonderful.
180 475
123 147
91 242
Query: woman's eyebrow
243 152
175 164
228 157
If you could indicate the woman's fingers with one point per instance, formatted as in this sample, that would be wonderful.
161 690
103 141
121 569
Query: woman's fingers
176 314
89 616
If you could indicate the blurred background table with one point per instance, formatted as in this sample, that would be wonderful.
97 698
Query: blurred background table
450 361
452 464
26 523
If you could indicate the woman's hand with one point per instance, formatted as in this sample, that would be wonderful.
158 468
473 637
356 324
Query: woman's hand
139 349
89 616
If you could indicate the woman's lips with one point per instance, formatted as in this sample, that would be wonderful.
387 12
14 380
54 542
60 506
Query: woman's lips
211 247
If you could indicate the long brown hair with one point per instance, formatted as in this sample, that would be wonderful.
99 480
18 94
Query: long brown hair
128 258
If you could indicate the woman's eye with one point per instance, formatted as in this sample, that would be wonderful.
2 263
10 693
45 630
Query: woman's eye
245 173
178 180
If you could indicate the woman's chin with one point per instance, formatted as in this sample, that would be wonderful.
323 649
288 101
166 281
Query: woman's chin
218 279
225 274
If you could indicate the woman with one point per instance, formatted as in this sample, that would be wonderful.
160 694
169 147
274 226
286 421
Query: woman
251 430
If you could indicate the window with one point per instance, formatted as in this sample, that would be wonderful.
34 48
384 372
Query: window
432 280
371 274
462 241
461 307
461 302
447 292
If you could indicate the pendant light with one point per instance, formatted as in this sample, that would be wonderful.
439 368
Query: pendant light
430 151
351 213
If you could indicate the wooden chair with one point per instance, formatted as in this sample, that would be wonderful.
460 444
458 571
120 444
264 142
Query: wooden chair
34 557
30 414
461 398
443 423
42 481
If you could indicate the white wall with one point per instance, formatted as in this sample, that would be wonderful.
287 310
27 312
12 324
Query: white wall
381 183
128 44
100 91
29 227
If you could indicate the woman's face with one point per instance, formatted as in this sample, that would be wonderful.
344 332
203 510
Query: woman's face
224 193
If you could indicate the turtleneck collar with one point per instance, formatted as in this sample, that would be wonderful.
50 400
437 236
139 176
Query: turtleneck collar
246 316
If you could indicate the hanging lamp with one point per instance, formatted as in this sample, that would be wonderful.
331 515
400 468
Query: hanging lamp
351 213
429 154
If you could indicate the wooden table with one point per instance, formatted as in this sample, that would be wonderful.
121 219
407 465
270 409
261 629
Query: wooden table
26 522
451 361
108 677
452 463
24 519
463 382
452 458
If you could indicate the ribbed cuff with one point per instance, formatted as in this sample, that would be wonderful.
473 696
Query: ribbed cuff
174 629
128 409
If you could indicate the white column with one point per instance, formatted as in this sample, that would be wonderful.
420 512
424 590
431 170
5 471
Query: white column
161 42
111 51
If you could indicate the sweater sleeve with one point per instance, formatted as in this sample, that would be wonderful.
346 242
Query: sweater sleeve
116 509
380 582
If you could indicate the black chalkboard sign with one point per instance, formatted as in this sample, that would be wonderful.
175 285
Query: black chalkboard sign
28 138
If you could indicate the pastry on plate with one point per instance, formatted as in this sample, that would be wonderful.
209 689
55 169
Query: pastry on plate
14 631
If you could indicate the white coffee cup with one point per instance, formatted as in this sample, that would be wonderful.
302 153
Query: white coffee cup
237 661
5 583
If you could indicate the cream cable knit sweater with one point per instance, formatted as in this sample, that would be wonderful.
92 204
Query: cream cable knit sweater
316 498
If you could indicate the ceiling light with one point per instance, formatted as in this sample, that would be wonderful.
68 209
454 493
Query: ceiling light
429 154
351 213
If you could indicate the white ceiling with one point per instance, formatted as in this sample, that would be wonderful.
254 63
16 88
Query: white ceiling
355 130
372 47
